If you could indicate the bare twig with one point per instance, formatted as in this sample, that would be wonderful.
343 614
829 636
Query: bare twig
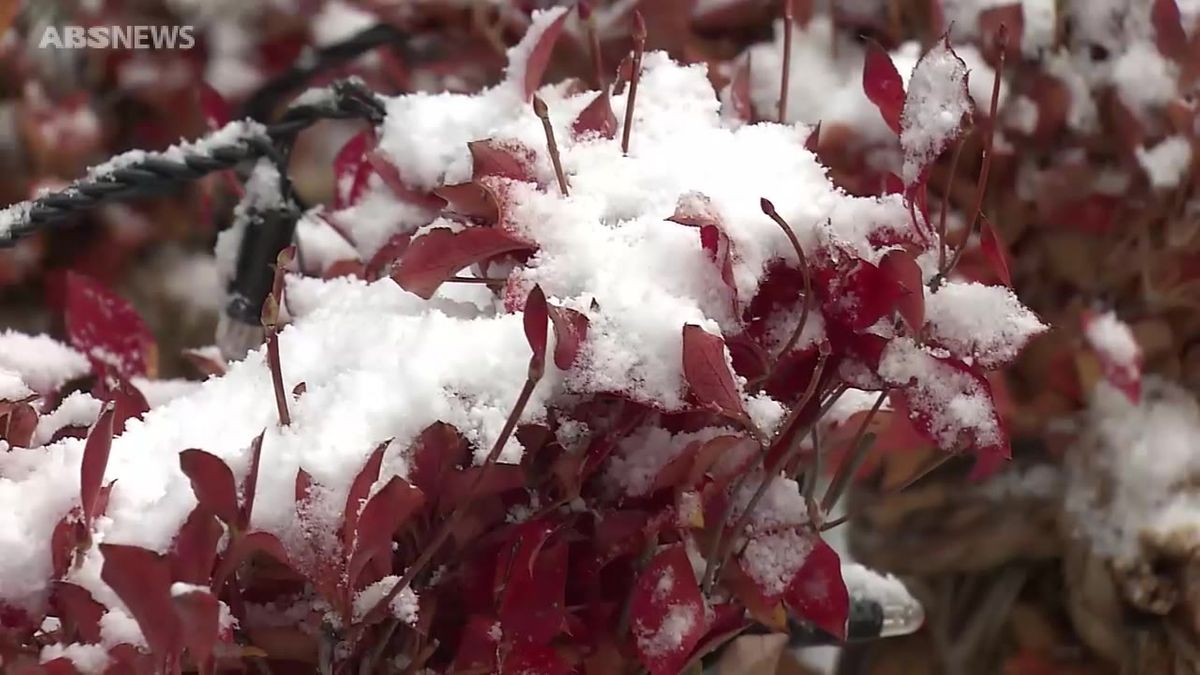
787 61
981 187
639 47
539 108
769 209
859 447
946 204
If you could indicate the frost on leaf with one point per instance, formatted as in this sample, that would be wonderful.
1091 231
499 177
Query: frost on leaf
818 594
107 330
987 324
1118 351
936 110
948 402
668 613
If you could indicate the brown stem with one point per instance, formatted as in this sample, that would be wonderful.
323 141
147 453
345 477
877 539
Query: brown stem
852 463
271 326
450 523
627 607
543 113
787 61
769 209
639 47
985 169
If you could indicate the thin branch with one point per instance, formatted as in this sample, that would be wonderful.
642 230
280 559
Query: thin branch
460 511
769 209
787 61
639 47
859 446
543 113
985 169
593 38
721 545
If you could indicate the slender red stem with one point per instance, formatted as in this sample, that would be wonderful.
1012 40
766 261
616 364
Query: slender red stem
639 47
787 60
543 113
851 464
988 141
769 209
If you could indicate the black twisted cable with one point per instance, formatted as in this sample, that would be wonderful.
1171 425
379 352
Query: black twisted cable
157 172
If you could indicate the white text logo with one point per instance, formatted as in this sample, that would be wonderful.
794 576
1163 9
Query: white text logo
118 37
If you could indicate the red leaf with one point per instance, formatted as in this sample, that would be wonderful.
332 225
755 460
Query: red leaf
142 579
708 375
390 175
570 332
199 615
533 659
194 549
250 485
435 257
435 452
1012 18
214 106
859 296
107 329
381 263
596 120
381 517
212 482
60 666
813 142
506 159
993 252
817 594
1169 35
479 644
471 200
76 607
351 170
900 266
95 461
360 489
242 548
667 612
539 55
883 85
20 424
537 321
131 403
720 250
532 602
204 363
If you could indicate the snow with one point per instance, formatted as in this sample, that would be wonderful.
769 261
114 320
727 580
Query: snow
1144 78
380 363
1113 338
12 387
1167 162
934 110
670 634
952 400
404 606
77 409
962 18
231 133
320 245
864 583
41 362
642 454
772 560
986 323
1127 481
160 392
86 658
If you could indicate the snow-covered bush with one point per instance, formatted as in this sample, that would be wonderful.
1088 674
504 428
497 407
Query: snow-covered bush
552 398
